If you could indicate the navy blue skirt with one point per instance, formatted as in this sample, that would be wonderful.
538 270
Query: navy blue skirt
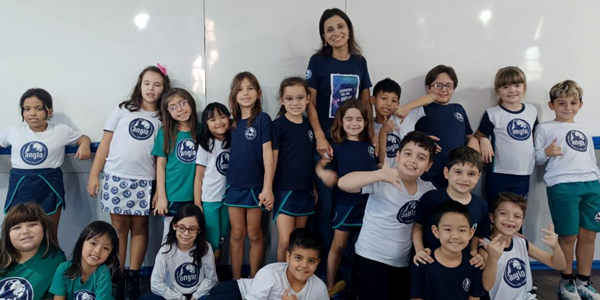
175 206
241 197
348 216
293 203
42 186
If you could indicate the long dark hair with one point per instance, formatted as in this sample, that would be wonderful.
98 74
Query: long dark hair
326 49
135 102
207 139
21 213
201 249
236 111
96 228
170 126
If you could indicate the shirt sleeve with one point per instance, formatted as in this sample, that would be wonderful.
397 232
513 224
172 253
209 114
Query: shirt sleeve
417 281
261 285
486 127
210 274
482 229
467 124
59 281
104 285
4 141
265 128
158 279
72 135
157 150
313 69
113 120
202 156
369 189
476 289
365 80
276 128
540 146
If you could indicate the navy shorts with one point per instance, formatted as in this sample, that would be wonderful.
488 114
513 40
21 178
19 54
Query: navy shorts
241 197
42 186
496 183
293 203
348 216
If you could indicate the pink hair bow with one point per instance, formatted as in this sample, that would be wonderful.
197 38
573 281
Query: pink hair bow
162 69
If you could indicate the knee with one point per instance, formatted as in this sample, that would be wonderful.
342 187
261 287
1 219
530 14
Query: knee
254 234
237 235
338 247
284 243
586 236
121 226
567 240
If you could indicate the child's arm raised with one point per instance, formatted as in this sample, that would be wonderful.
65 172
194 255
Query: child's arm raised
101 155
424 100
83 152
328 177
556 260
490 253
162 205
266 196
198 180
353 182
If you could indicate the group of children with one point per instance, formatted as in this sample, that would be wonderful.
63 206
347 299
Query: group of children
228 168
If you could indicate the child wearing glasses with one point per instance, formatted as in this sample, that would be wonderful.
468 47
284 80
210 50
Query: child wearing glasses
175 149
185 265
445 122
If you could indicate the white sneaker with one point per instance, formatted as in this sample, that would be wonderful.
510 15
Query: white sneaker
586 290
567 290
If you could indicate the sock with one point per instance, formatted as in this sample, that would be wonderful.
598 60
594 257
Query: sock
584 279
566 276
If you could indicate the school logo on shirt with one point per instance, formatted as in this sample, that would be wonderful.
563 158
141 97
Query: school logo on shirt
15 288
518 129
459 116
308 74
466 284
141 129
34 153
392 145
371 150
186 151
222 162
311 136
514 273
408 212
84 295
187 275
597 217
577 140
250 133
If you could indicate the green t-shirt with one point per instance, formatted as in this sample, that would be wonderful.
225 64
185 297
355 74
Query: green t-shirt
181 166
31 279
97 287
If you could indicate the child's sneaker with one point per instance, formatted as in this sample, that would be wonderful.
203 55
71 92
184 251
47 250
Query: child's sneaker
586 290
567 290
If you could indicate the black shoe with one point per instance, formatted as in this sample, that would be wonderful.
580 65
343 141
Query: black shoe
117 285
132 285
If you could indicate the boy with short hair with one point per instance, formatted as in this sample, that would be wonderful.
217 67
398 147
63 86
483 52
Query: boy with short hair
449 276
507 274
292 280
447 121
383 248
572 186
389 114
462 170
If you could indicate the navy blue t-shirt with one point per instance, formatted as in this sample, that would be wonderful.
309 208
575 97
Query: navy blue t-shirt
294 170
246 166
437 282
336 81
449 123
352 156
478 209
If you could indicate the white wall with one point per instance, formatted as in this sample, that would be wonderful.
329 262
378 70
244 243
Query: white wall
88 55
